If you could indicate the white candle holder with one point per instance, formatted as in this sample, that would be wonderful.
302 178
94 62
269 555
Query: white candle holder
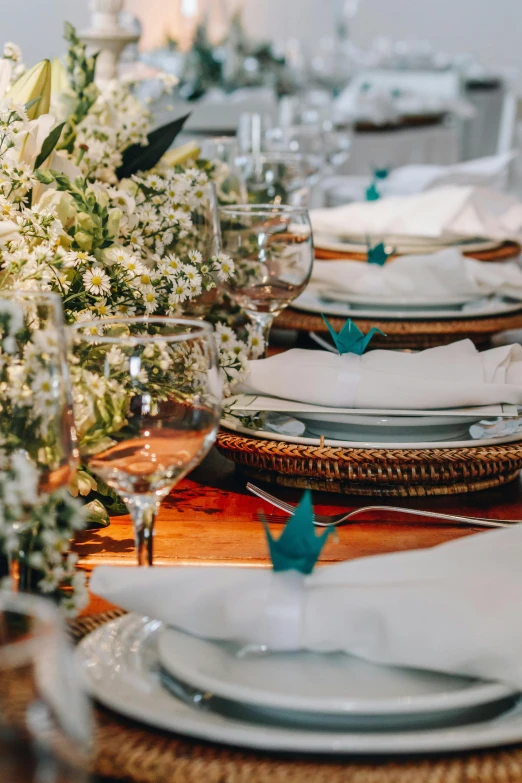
108 37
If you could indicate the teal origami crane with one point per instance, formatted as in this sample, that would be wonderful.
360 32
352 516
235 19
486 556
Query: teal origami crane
372 194
298 547
378 254
350 339
381 173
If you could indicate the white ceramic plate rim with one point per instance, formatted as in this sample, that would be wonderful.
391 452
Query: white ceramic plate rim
398 301
358 444
122 692
376 420
309 302
480 693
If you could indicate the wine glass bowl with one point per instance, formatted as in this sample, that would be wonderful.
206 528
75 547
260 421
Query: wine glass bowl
161 376
272 250
278 176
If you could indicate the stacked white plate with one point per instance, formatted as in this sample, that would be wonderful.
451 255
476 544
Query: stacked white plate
319 299
293 422
300 702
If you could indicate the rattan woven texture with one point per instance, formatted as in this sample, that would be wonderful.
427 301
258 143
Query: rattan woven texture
130 752
414 335
504 252
391 472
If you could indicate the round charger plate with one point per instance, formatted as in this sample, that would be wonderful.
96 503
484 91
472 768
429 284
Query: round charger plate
235 426
310 301
328 684
119 666
403 245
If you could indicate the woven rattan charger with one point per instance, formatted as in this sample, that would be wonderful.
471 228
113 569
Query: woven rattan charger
132 752
413 335
503 252
389 472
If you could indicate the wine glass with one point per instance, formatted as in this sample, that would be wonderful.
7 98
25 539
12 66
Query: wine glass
273 253
38 447
147 399
223 151
45 719
278 177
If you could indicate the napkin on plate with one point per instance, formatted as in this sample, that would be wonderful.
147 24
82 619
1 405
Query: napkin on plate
453 608
444 272
450 376
490 172
452 212
414 178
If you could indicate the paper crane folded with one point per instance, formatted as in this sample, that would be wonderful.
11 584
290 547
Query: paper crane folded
298 547
350 339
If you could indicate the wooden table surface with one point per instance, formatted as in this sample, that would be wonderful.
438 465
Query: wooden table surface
211 519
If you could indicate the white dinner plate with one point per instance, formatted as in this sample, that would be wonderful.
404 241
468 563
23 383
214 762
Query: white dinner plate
387 428
119 665
235 426
404 245
397 301
332 683
310 301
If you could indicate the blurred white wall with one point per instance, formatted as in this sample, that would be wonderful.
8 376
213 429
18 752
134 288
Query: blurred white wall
490 29
37 25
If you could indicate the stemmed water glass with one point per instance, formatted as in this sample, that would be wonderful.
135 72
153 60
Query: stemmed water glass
147 400
278 176
38 440
273 254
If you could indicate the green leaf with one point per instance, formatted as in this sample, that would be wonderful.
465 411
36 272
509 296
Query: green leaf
137 158
49 144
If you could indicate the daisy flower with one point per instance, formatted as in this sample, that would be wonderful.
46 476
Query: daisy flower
225 266
96 281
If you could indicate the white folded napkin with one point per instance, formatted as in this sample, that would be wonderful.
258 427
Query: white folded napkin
444 272
414 178
450 376
453 608
449 212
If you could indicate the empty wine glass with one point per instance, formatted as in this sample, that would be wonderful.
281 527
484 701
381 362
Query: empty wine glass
273 254
38 451
223 151
278 177
45 720
147 400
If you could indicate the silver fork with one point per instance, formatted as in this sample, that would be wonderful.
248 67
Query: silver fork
333 520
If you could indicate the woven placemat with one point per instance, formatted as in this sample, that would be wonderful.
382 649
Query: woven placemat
414 335
134 753
503 252
369 471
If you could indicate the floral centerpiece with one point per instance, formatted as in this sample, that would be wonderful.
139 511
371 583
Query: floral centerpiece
93 210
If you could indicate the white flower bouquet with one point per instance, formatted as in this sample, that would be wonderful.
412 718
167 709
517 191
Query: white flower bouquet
91 209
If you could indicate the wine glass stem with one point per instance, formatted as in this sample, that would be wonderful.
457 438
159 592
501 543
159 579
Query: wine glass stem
262 323
143 511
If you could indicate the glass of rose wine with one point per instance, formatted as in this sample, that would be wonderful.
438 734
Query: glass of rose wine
147 394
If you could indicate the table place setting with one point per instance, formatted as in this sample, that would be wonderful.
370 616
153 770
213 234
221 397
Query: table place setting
379 421
443 284
490 171
471 218
374 655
